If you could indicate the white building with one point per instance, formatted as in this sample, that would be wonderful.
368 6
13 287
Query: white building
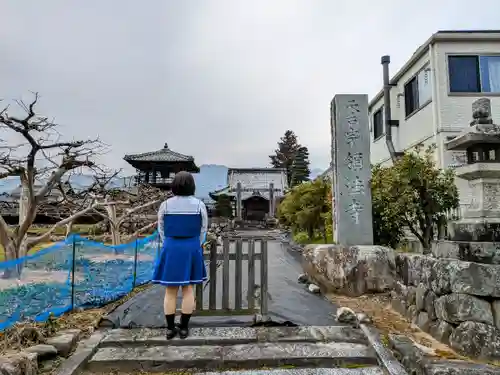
431 96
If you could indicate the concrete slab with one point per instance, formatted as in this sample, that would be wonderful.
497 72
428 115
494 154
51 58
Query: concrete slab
244 356
234 335
304 371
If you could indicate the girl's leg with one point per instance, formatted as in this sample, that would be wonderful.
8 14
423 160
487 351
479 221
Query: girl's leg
187 310
169 306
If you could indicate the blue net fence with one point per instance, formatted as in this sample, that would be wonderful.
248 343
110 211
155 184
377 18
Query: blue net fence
74 273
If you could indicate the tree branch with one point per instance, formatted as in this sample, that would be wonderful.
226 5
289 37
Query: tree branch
144 228
136 209
34 241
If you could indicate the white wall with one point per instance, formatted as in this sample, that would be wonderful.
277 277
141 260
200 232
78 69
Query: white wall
447 115
417 128
455 110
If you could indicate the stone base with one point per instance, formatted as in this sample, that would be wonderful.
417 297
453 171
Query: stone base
480 252
475 230
241 348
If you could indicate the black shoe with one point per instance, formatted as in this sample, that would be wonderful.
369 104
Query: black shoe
171 333
171 328
183 333
184 326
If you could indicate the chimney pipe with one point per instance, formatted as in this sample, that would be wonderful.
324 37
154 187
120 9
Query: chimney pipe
386 60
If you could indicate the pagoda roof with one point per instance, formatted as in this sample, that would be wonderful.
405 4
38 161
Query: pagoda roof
164 155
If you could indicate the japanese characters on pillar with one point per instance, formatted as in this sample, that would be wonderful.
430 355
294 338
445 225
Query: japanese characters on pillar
351 167
271 200
238 201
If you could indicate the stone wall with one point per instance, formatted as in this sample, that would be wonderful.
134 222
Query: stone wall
456 301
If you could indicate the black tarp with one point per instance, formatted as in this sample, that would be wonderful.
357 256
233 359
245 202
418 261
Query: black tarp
288 300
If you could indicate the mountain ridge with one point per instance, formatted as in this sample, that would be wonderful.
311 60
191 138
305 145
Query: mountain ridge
211 177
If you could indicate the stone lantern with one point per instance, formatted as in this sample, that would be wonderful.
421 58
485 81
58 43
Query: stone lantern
481 142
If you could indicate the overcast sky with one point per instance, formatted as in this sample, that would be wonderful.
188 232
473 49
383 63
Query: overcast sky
217 79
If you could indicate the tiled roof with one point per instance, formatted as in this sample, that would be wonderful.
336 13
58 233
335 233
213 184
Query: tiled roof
165 155
255 181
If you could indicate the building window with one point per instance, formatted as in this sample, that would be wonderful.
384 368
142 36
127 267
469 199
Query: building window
378 123
418 91
474 73
411 96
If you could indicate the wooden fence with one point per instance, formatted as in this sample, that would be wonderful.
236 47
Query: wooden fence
237 251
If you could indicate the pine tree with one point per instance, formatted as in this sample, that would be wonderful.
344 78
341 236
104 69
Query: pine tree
300 166
285 153
223 206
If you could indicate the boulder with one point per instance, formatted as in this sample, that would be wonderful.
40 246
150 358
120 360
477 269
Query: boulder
420 360
412 313
421 292
456 276
313 288
495 306
423 321
456 308
441 331
302 279
444 276
429 304
43 351
480 252
64 341
411 295
352 271
477 340
19 364
398 303
346 315
414 269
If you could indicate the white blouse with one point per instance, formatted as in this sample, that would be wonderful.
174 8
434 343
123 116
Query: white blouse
183 206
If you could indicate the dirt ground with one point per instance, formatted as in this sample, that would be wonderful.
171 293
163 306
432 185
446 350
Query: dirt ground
388 321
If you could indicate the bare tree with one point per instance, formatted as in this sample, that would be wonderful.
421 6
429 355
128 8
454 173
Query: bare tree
40 161
119 207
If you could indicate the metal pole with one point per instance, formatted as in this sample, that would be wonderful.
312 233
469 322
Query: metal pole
73 275
135 264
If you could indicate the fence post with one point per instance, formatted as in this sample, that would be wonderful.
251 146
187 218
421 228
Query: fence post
73 274
135 264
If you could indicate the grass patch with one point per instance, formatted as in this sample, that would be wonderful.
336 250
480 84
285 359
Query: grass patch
302 238
32 251
61 231
81 229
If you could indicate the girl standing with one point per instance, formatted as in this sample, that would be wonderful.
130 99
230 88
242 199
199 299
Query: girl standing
182 225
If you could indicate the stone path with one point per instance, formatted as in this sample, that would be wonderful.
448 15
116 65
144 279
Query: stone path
272 350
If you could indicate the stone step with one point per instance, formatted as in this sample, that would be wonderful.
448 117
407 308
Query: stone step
304 371
234 335
242 356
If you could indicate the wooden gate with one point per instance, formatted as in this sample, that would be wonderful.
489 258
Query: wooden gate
226 273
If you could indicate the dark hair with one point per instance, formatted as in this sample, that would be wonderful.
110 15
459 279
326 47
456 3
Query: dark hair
183 184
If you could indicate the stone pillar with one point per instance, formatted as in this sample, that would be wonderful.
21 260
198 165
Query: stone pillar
271 201
352 211
238 201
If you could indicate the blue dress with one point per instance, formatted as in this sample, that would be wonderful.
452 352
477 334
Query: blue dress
183 223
